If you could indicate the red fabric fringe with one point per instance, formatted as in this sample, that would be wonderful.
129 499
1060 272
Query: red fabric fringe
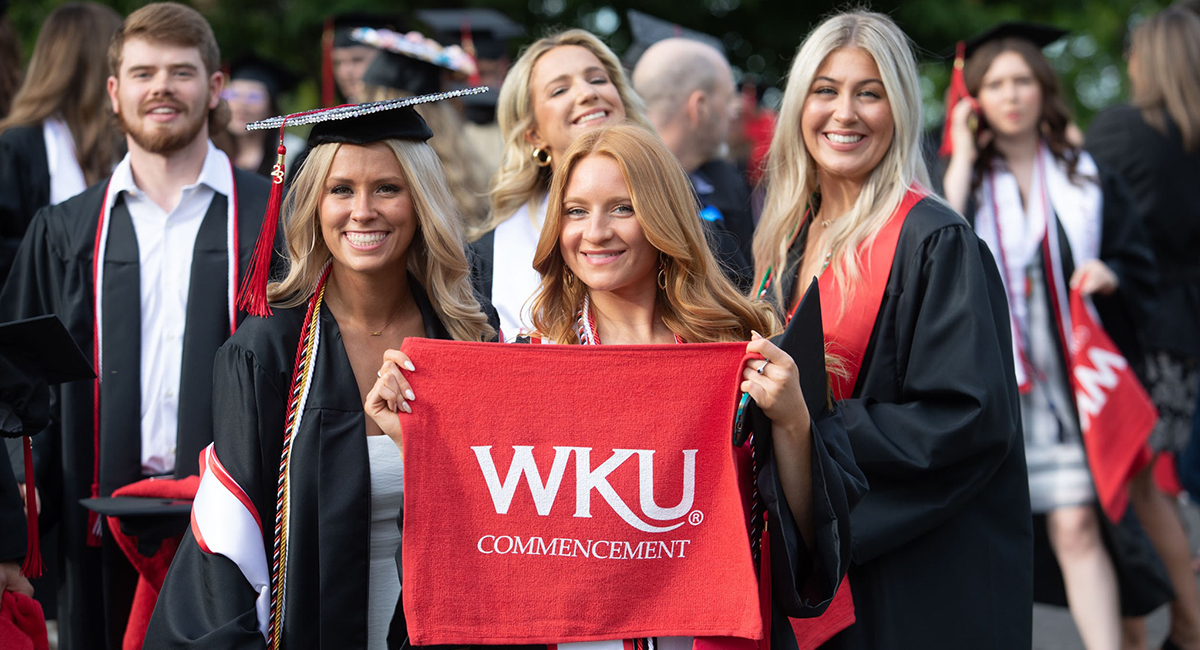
252 298
32 568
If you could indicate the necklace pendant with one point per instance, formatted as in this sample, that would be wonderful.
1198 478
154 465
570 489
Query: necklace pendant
377 333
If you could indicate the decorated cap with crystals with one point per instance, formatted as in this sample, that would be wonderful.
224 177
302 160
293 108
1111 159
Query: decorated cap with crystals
392 119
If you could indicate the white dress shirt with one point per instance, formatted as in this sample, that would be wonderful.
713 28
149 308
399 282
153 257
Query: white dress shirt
165 244
66 176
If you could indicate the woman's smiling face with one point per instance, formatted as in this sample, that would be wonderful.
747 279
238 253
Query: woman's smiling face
571 92
601 240
366 211
847 121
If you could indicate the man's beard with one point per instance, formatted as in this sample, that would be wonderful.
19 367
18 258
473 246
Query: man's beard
165 141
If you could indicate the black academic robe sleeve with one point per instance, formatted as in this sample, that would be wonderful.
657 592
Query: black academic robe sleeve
804 580
24 187
1125 248
952 421
248 409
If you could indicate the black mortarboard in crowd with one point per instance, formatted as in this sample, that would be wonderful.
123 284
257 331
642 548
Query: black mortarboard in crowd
648 30
412 63
487 31
277 78
1038 34
393 119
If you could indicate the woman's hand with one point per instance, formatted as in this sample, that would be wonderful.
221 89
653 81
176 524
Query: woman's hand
775 386
391 394
776 390
1094 276
962 135
12 580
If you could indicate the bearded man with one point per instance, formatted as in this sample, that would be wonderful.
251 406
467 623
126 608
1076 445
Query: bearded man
143 268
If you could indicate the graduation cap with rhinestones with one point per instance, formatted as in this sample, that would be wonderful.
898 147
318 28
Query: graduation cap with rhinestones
1038 34
485 31
393 119
411 62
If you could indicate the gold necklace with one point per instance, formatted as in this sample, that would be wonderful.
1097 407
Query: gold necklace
391 318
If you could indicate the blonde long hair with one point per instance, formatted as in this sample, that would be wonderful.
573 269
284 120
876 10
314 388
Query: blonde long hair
466 174
791 173
1166 56
699 303
519 180
436 258
67 77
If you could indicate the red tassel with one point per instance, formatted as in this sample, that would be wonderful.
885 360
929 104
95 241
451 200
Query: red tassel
468 46
252 298
32 568
327 64
954 94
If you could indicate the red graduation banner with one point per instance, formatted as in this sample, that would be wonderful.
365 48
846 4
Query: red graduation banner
559 493
1115 413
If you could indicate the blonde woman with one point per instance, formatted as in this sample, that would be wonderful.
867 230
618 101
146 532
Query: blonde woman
624 261
914 306
59 137
375 255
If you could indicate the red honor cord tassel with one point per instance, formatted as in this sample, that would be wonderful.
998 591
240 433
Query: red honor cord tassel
252 298
32 568
955 93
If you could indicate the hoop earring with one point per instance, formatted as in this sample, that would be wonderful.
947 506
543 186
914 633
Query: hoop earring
541 157
569 280
662 278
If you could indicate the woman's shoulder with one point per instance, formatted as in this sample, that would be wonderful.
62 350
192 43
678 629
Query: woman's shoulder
929 216
270 342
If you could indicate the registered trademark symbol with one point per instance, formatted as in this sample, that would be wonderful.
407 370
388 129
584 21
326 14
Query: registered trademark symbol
695 517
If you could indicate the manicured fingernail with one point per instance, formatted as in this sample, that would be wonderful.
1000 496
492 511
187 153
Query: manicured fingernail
405 407
409 394
409 366
755 335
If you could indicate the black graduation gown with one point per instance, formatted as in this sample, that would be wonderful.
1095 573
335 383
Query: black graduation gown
53 274
1124 248
24 187
1162 178
329 551
942 543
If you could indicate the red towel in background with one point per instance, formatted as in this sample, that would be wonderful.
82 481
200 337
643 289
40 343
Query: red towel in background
22 624
1115 413
506 538
151 570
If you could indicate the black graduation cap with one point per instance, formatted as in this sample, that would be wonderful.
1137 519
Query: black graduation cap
648 30
411 62
488 29
45 342
138 506
1036 33
276 77
350 124
804 341
35 353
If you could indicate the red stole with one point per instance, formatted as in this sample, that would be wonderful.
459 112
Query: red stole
849 321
